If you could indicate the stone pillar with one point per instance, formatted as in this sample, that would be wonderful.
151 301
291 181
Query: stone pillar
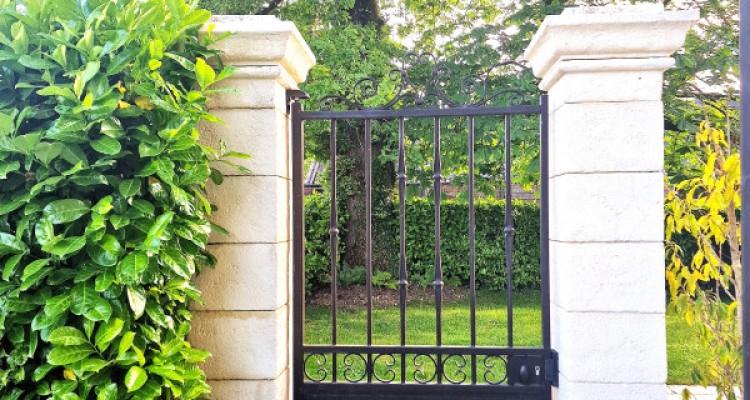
245 320
602 68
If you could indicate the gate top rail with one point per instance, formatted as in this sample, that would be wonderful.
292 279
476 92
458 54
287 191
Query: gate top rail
463 111
408 93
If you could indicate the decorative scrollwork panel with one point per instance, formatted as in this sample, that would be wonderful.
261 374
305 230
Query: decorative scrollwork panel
423 81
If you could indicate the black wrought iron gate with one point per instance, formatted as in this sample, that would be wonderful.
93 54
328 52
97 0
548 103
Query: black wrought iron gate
369 371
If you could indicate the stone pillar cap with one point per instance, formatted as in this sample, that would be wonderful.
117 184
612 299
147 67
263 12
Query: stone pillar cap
608 32
262 40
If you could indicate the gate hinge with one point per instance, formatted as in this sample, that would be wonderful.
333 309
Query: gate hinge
551 372
294 95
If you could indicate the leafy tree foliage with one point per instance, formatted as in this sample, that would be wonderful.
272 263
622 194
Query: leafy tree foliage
103 219
706 289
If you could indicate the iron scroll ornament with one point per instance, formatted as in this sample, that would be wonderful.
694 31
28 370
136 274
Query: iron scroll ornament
407 93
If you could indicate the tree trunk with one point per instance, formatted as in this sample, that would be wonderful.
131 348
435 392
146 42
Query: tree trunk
383 181
365 12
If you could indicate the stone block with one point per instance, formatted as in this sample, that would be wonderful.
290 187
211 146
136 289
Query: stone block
254 209
261 133
615 277
617 80
245 345
262 40
247 277
622 31
270 389
612 347
607 207
607 137
610 391
257 86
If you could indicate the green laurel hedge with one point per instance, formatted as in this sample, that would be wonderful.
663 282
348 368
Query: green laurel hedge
103 219
420 242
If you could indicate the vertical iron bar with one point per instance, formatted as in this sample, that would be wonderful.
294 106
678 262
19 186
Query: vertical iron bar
438 283
744 185
368 239
544 219
508 232
402 233
334 233
472 257
298 233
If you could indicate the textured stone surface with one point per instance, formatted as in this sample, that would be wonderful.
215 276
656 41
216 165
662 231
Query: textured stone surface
618 80
603 71
254 209
612 347
268 389
612 391
251 348
257 86
261 133
609 277
607 207
245 345
605 137
247 277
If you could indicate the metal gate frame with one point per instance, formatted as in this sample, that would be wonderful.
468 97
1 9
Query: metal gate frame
530 372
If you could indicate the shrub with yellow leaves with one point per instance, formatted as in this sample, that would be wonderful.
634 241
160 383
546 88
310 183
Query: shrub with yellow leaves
706 290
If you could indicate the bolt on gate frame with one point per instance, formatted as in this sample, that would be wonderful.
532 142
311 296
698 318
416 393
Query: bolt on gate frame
369 371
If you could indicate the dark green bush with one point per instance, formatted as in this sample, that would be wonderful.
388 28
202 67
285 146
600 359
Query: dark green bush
317 242
420 242
103 219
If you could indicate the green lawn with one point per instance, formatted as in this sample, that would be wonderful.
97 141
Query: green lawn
682 345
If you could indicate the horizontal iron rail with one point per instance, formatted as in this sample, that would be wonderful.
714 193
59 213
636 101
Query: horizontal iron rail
414 391
459 350
418 113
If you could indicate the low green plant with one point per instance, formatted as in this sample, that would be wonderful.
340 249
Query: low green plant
103 214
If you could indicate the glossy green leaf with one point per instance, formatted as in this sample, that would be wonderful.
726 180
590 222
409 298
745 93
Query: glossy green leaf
135 378
103 206
57 305
107 332
137 300
204 73
101 311
108 392
66 246
67 336
129 187
42 371
84 297
66 355
11 265
63 211
106 145
106 252
46 152
34 267
132 267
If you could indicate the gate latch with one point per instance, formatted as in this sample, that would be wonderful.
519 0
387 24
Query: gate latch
532 370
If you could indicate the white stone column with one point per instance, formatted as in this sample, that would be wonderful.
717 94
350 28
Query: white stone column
245 321
602 68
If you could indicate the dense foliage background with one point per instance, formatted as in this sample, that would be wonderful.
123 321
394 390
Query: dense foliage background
420 244
103 220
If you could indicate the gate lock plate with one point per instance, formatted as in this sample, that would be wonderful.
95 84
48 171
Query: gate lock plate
531 370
